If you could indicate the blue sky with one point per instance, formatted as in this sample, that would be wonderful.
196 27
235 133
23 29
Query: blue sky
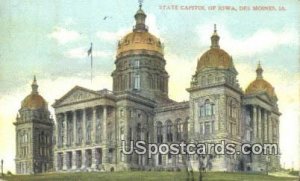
50 39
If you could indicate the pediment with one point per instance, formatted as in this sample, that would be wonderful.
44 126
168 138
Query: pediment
77 94
265 97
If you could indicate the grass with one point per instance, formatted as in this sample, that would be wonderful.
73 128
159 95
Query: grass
147 176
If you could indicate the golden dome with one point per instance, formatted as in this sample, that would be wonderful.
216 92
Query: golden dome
140 38
215 57
139 41
34 100
260 85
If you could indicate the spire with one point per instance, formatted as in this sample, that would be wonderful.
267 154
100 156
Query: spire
140 18
259 71
34 86
215 38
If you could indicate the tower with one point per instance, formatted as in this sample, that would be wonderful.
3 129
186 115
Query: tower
34 130
215 103
140 63
261 120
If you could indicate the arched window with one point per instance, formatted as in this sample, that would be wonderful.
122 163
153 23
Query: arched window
169 131
207 108
159 132
178 129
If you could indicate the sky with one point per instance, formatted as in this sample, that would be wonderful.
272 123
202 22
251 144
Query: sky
49 39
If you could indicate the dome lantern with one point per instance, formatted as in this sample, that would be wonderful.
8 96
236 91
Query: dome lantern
259 71
140 18
34 86
215 38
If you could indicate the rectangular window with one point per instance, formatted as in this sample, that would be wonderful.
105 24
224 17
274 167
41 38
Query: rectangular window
137 82
201 129
137 63
202 113
207 129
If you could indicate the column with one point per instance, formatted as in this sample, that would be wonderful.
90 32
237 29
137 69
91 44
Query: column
104 135
83 163
83 127
65 161
259 135
265 126
55 163
93 158
65 129
57 131
74 127
74 163
270 128
254 117
94 125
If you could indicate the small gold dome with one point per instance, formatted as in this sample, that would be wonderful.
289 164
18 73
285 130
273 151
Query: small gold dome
140 41
34 100
140 38
260 85
215 57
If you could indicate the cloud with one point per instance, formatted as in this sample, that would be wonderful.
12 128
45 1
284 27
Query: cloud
112 36
82 53
263 40
63 35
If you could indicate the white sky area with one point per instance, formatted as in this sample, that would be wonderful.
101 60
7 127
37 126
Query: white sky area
66 40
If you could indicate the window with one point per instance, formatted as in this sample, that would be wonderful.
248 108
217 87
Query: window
208 109
202 113
207 129
159 132
137 82
201 129
178 130
169 131
232 110
137 63
121 113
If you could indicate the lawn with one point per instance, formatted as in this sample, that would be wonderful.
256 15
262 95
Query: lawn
148 176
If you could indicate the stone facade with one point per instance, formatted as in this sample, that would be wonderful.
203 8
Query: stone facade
34 132
90 125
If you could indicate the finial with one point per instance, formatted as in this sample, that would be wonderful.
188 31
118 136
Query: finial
140 3
140 18
34 79
215 38
215 28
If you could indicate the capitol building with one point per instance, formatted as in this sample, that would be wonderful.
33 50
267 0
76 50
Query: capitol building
86 131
